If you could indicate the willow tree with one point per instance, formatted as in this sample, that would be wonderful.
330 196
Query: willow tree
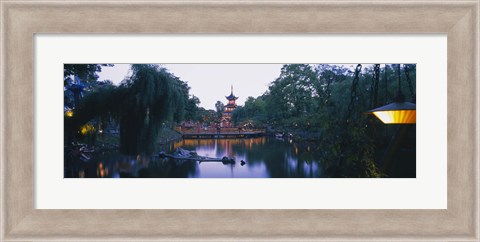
149 98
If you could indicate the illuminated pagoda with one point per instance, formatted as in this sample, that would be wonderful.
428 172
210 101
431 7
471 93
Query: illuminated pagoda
227 114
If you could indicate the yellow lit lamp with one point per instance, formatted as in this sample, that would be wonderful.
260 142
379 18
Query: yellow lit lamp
396 113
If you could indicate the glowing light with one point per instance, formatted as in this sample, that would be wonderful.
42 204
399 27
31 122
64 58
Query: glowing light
396 113
397 116
87 129
69 113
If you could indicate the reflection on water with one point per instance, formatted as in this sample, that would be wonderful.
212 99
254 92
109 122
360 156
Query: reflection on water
263 157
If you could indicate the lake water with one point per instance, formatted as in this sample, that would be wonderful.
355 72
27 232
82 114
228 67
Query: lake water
264 157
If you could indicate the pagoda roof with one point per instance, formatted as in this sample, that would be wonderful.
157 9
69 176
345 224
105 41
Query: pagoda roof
231 97
230 105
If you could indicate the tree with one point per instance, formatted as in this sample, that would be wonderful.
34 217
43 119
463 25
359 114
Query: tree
254 112
292 93
84 78
220 108
151 97
192 109
206 116
86 72
328 75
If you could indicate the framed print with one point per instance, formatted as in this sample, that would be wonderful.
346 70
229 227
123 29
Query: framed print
303 161
159 39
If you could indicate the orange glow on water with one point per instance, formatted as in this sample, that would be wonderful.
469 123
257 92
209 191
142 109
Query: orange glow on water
101 171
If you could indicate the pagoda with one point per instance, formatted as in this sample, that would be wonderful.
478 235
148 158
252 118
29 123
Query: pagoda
227 114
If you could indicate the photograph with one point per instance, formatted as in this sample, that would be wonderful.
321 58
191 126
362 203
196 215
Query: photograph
239 120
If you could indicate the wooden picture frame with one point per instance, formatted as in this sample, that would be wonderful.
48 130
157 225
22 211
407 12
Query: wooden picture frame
21 20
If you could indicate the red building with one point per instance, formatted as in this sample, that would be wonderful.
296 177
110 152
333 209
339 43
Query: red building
226 121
